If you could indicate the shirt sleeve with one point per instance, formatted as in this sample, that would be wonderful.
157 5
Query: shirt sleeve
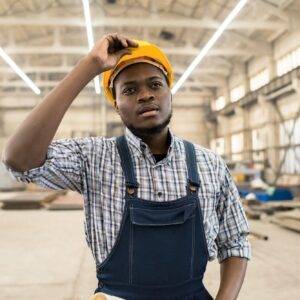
233 226
63 168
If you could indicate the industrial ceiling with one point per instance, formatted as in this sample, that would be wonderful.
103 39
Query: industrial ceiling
46 38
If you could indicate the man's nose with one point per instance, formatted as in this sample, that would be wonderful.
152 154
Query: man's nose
145 94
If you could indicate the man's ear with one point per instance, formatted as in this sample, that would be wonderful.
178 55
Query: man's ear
116 107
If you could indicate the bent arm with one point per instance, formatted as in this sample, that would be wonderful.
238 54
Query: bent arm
233 271
27 148
234 249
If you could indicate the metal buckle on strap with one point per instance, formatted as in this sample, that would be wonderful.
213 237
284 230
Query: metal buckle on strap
193 188
130 190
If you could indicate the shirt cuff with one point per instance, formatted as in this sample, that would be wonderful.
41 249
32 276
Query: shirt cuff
237 249
26 176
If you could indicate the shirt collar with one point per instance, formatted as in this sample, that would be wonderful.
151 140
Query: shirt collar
139 147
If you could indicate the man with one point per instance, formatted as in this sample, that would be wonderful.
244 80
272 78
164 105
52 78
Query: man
156 207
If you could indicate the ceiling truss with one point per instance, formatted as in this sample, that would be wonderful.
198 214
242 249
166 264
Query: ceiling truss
46 38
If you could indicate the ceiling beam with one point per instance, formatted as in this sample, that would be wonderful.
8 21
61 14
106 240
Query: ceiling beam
230 51
271 9
40 84
66 69
50 83
203 84
264 47
142 22
202 70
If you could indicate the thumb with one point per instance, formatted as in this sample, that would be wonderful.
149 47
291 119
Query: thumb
123 52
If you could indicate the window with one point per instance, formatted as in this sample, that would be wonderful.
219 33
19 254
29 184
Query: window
286 128
237 93
220 103
290 154
237 146
288 62
259 80
291 164
258 156
218 146
259 138
237 143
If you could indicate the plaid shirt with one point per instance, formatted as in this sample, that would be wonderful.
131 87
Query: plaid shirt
91 166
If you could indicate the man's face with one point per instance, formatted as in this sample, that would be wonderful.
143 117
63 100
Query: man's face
143 99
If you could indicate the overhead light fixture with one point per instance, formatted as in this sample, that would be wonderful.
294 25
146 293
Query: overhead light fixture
18 70
90 37
208 46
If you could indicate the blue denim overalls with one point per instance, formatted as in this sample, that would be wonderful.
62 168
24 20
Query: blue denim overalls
161 251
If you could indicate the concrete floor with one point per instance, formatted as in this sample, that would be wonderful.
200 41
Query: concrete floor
43 255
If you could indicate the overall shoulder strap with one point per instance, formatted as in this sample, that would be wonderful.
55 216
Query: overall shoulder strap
193 174
126 162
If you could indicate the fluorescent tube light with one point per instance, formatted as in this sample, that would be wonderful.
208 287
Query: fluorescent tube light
90 37
17 69
209 45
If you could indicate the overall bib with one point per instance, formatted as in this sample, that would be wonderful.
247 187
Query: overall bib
161 251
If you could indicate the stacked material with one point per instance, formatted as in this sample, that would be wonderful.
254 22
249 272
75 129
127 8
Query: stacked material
70 201
27 199
289 220
285 214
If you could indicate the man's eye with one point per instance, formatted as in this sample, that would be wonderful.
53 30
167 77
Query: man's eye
157 84
128 91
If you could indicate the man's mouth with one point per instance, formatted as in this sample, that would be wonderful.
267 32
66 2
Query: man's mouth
148 110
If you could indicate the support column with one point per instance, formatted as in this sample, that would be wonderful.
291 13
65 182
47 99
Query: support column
2 131
272 132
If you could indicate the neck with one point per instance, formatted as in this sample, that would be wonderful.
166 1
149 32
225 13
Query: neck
158 143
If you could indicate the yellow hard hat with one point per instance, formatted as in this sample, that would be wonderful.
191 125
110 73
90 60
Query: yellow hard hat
145 52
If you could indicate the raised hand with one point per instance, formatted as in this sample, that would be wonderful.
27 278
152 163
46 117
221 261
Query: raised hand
110 49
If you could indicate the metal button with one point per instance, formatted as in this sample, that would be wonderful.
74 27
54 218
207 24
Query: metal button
193 188
159 194
130 191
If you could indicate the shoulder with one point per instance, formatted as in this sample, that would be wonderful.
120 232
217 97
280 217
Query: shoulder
203 155
83 145
207 160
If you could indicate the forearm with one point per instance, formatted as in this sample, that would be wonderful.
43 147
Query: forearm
27 148
233 271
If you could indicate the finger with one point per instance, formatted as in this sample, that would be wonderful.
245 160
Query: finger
114 44
123 42
121 39
123 52
112 35
118 42
110 39
131 43
127 42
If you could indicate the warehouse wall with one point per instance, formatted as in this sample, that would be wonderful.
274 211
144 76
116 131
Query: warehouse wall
190 118
261 124
92 115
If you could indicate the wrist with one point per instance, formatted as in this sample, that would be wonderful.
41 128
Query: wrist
92 65
225 298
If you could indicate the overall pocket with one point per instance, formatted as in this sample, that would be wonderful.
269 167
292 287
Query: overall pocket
162 245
